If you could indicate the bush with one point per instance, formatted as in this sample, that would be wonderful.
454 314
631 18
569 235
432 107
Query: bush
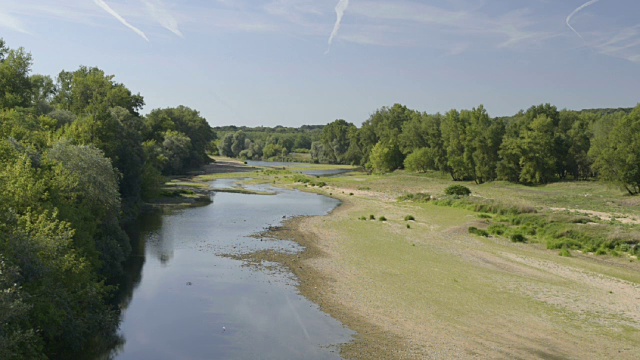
474 230
382 218
408 226
519 238
459 190
565 252
371 217
301 179
418 197
497 229
409 218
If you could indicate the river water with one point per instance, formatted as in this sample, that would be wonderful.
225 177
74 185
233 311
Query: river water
186 300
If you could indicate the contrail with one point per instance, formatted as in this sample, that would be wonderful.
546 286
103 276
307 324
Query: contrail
340 9
161 15
124 22
580 8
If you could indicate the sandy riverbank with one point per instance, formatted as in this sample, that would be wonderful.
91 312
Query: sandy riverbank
436 292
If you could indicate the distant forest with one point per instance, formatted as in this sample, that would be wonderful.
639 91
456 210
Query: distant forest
536 146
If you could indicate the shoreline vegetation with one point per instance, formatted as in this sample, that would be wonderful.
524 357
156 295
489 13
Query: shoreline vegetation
422 284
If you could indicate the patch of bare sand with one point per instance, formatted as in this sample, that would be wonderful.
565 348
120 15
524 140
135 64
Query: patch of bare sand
605 216
582 299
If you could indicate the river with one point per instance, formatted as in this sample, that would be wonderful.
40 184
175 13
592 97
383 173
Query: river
187 300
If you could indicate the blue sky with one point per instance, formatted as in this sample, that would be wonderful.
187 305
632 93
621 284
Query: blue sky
295 62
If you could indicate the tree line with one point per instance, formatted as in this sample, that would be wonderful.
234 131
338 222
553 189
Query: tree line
536 146
78 161
259 143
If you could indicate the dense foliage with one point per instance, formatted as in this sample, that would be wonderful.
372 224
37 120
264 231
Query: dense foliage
536 146
78 160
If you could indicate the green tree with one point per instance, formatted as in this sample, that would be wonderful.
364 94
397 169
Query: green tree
459 164
385 157
176 147
15 84
335 140
187 121
421 160
225 147
238 143
538 160
617 157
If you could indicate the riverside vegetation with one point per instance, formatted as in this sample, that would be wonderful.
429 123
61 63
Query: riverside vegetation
79 162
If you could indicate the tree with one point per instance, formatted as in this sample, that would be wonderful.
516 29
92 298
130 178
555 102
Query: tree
459 164
538 161
88 91
176 147
225 148
238 143
617 157
421 160
15 84
335 140
385 157
483 138
190 123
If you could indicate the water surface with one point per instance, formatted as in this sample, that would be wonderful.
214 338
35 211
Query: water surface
188 301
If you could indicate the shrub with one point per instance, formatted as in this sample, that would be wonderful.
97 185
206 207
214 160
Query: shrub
497 229
518 238
459 190
301 179
565 252
382 218
418 197
409 218
474 230
408 226
371 217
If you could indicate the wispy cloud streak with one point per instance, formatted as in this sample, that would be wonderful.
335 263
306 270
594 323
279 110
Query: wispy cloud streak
577 10
124 22
161 15
340 9
10 22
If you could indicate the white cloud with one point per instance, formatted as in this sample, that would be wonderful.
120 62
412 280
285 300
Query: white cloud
160 13
124 22
574 12
12 23
340 9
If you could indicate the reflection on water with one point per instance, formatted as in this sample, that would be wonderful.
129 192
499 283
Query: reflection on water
184 300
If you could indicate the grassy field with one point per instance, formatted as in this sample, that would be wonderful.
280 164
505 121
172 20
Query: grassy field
427 288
